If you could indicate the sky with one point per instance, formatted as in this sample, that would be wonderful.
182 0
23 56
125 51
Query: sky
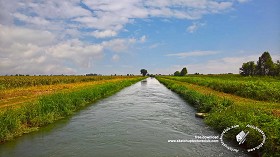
121 37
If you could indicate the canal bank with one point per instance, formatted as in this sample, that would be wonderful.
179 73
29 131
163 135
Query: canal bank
138 121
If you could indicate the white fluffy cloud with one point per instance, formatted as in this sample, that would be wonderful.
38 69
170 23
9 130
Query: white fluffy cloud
76 51
30 51
104 34
47 37
31 19
14 35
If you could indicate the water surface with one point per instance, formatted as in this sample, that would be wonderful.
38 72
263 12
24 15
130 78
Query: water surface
137 121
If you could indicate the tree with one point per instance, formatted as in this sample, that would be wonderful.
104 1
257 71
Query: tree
177 73
277 68
265 64
143 72
248 68
184 72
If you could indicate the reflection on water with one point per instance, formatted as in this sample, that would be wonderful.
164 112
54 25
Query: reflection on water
138 121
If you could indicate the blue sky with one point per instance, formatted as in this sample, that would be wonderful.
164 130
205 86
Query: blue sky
120 37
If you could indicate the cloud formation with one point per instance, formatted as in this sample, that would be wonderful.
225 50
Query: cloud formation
48 37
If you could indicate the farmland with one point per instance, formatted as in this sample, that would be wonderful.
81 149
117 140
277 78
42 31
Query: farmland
264 89
30 102
230 99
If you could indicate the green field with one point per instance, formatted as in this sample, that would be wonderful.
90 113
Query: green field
24 110
258 88
230 100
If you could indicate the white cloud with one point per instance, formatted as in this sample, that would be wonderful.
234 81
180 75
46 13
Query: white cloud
31 19
115 58
108 17
243 1
104 34
28 51
13 35
56 9
193 53
115 14
48 38
121 44
217 66
116 45
195 25
76 51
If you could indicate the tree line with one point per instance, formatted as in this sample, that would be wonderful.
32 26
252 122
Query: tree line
183 72
264 67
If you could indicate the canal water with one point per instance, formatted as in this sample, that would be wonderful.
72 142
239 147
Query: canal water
137 121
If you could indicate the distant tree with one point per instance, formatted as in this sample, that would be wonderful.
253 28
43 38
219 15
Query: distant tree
184 72
177 73
277 68
248 68
144 72
265 64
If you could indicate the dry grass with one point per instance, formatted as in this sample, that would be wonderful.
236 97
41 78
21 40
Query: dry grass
20 96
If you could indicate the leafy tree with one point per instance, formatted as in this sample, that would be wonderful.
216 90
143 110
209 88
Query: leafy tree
177 73
248 68
277 68
265 64
144 72
184 72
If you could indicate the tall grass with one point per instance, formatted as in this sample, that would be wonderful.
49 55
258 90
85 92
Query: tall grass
223 113
258 89
8 82
14 122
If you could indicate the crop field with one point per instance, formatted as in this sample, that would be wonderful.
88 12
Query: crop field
17 90
258 88
230 100
9 82
32 102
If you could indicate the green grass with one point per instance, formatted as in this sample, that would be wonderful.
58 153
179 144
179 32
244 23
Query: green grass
258 88
223 113
16 121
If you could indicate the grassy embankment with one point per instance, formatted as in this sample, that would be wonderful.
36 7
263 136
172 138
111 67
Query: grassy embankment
210 94
27 107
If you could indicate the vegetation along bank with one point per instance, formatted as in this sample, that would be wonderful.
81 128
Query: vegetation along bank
226 101
48 107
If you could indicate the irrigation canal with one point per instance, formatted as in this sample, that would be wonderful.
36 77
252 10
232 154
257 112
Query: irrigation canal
137 121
